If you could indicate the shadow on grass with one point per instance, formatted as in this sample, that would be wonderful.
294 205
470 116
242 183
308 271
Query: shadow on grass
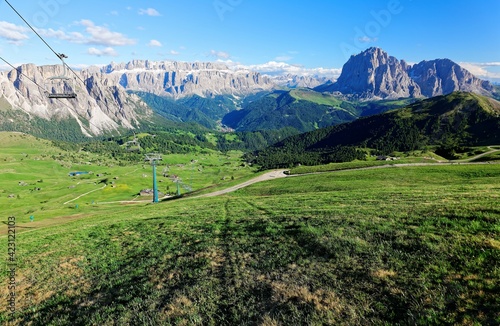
242 291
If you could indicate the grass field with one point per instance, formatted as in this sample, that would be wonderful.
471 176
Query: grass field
34 178
413 245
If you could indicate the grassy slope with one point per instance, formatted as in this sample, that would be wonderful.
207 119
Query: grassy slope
413 246
316 97
300 108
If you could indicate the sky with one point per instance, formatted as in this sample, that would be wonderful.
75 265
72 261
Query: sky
270 36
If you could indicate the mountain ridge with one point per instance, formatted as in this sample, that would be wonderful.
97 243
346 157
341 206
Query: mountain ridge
107 101
179 79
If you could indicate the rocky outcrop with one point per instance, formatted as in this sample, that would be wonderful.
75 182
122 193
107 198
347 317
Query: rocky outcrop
373 74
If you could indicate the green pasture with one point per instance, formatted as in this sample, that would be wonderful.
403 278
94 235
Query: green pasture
319 98
412 245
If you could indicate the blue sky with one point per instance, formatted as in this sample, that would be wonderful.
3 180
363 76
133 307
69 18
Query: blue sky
314 36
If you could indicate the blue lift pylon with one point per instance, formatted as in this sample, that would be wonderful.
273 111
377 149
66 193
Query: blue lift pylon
153 158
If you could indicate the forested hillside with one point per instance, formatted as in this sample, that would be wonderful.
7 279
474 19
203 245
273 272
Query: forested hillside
177 138
205 111
287 109
445 122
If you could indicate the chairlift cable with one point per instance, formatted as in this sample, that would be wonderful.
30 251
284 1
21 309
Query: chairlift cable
23 74
34 31
58 55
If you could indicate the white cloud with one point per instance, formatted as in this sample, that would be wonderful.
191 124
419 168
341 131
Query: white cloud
103 36
275 68
73 37
483 70
80 66
487 64
173 52
149 12
366 39
107 52
154 43
99 35
114 13
12 32
283 58
220 54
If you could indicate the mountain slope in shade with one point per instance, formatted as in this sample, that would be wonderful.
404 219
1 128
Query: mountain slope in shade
373 74
449 121
301 109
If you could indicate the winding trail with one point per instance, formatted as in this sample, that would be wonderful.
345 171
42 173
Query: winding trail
264 177
275 174
493 150
69 201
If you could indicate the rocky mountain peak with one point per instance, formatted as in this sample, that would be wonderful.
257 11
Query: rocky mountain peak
443 76
373 74
97 108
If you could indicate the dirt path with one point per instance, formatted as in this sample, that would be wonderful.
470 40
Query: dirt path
493 150
387 166
266 176
69 201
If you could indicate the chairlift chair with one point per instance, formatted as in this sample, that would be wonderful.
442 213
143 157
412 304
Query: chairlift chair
61 86
133 146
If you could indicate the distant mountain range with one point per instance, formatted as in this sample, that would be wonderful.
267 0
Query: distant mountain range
296 81
123 96
181 79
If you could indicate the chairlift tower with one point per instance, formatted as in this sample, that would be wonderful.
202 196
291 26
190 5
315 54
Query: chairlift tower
153 158
179 183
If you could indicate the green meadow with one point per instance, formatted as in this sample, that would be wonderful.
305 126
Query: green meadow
35 178
415 245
